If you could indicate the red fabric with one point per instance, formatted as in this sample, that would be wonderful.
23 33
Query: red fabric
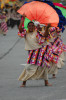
60 5
23 23
12 0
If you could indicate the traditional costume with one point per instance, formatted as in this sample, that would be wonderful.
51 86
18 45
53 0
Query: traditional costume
43 55
3 24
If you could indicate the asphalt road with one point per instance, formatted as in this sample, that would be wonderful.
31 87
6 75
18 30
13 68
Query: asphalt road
12 55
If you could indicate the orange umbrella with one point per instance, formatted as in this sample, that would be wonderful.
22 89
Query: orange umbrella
41 12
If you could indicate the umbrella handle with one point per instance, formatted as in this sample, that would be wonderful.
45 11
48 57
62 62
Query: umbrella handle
46 31
24 16
48 25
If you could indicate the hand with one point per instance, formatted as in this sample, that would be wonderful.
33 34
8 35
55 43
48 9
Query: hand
21 29
24 16
48 25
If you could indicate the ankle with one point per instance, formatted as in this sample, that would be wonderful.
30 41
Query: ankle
53 76
24 82
47 83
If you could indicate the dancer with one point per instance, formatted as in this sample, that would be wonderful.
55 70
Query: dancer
3 24
42 55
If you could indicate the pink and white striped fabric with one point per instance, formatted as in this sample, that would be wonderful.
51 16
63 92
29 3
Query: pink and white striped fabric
4 27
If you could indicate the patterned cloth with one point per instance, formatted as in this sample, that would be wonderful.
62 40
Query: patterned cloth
47 53
4 27
3 24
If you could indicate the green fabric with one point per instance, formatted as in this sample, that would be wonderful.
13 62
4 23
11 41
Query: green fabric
26 23
58 1
62 10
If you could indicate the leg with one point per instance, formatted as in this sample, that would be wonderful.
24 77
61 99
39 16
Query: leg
12 23
46 78
53 76
47 83
18 22
23 84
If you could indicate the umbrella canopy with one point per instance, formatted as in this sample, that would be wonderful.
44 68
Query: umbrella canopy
41 12
62 10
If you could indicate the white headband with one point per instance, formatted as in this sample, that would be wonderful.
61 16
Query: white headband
36 23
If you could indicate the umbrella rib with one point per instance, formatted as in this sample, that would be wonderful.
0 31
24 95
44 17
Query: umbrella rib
30 12
42 12
48 16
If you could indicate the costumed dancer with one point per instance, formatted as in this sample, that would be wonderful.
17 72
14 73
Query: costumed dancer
12 18
43 53
0 19
61 26
3 24
8 13
8 18
17 17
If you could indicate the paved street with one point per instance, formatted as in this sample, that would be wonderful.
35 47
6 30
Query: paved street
12 55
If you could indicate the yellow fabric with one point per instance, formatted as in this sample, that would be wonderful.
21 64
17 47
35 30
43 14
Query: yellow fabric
31 41
36 72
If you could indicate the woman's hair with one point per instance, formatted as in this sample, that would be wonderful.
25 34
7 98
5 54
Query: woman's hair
30 22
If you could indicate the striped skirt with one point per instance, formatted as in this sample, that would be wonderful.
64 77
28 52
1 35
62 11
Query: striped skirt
4 27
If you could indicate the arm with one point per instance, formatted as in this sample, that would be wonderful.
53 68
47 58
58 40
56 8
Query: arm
46 31
42 36
21 29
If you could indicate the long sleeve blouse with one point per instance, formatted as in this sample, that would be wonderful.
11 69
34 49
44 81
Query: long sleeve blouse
36 39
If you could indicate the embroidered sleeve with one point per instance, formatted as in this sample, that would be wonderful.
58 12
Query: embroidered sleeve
40 38
52 31
22 34
58 30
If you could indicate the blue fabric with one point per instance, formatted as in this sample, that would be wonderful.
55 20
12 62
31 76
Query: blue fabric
62 19
26 2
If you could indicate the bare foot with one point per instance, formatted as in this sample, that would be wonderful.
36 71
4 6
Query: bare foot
48 84
22 85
